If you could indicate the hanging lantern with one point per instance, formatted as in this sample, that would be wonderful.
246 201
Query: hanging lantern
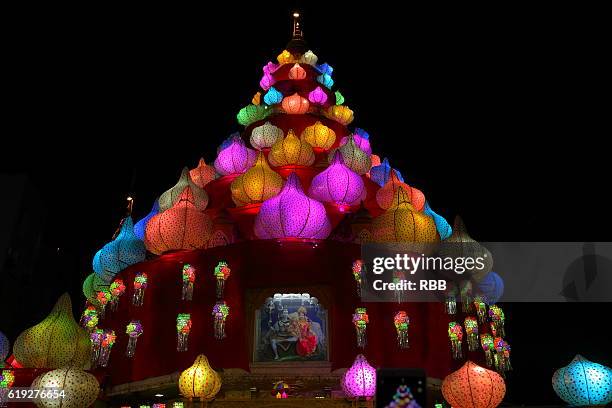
359 381
184 189
357 274
325 80
473 386
7 379
89 318
443 227
481 309
252 113
256 99
583 383
234 157
116 290
102 299
96 341
220 313
386 194
450 301
501 358
297 72
79 388
491 287
200 380
202 174
291 214
258 184
183 327
291 151
354 158
133 330
273 96
339 98
222 272
309 58
465 292
455 335
280 390
140 226
339 113
264 136
338 184
486 342
4 347
317 96
295 104
106 344
402 322
471 330
496 315
361 320
140 284
189 276
319 136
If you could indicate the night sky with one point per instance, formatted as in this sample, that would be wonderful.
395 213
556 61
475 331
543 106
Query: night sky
493 114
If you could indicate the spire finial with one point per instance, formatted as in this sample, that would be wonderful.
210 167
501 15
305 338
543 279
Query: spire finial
297 26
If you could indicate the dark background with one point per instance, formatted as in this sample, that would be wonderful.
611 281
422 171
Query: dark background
495 113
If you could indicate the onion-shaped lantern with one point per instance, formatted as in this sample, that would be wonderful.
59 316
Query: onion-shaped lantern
140 226
54 342
202 174
181 227
309 58
317 96
491 288
258 184
292 214
264 136
291 151
4 347
297 72
200 380
80 388
273 96
340 114
184 187
473 386
295 104
325 80
338 184
252 113
339 98
319 136
325 68
583 383
265 82
355 158
285 57
359 381
386 195
256 99
125 250
234 157
402 223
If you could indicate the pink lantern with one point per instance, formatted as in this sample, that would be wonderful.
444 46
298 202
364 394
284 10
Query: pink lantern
292 214
235 158
317 96
338 184
295 104
266 81
359 381
297 72
270 67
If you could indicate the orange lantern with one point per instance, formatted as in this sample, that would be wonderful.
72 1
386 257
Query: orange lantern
295 104
473 386
291 151
203 174
285 57
340 114
319 136
386 194
259 183
297 72
256 99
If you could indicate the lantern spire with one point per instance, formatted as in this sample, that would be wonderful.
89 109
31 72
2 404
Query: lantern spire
297 45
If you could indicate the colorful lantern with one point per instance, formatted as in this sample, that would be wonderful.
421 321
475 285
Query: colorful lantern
200 380
491 287
471 330
266 81
222 272
102 299
141 226
80 388
258 184
189 276
455 335
291 214
465 293
220 313
381 173
96 340
256 99
473 386
357 274
202 174
116 289
140 285
89 318
264 136
486 342
184 189
252 113
4 347
325 80
583 383
69 343
133 330
183 327
297 72
270 67
481 308
386 194
92 284
496 315
285 57
361 320
354 158
451 298
234 157
291 151
501 358
402 322
309 58
273 96
338 184
319 136
361 138
443 227
317 96
325 68
106 344
7 378
359 381
339 98
295 104
339 113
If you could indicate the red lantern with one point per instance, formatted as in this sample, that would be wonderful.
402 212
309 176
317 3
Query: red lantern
295 104
473 386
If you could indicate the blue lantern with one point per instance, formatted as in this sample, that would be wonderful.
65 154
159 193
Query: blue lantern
273 96
325 68
443 227
139 228
583 382
491 287
325 80
123 251
4 348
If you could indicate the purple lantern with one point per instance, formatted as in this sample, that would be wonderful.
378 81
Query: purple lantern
292 214
338 184
266 81
318 96
359 381
235 157
361 140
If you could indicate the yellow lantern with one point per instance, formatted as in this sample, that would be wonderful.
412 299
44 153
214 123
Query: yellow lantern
285 57
291 151
258 184
80 388
200 380
340 114
319 136
295 104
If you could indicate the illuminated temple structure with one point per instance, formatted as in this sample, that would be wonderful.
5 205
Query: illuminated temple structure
240 286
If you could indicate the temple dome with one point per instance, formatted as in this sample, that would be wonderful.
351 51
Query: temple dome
319 136
291 151
355 158
185 185
234 157
258 184
338 184
264 136
202 174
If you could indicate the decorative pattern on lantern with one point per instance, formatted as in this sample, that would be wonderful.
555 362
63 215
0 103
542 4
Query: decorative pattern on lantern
140 285
491 287
360 321
184 189
202 174
89 318
189 277
200 380
361 138
292 214
338 184
291 151
54 342
125 250
339 98
280 390
358 274
252 113
317 96
319 136
385 196
359 381
297 72
222 272
133 330
258 184
471 330
354 158
141 226
295 104
402 323
80 388
583 382
443 227
473 386
106 344
220 313
340 114
309 58
116 290
234 157
497 317
455 335
264 136
325 80
183 327
273 96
